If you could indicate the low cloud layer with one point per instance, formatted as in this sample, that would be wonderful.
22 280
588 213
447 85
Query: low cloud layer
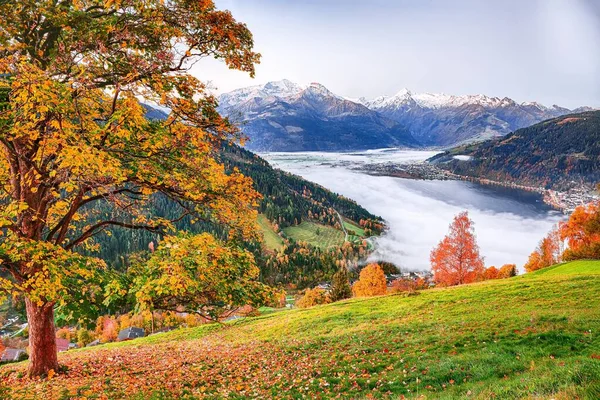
508 225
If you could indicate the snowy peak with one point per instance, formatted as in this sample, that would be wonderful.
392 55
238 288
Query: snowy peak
275 89
431 118
403 99
284 90
281 88
316 90
435 101
404 93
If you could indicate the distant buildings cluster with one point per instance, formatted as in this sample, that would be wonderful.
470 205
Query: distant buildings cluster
10 354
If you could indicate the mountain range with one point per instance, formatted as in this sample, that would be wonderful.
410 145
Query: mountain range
285 116
443 120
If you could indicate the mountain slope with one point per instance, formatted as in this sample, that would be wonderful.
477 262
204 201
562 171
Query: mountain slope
285 116
281 116
440 119
524 337
558 153
287 200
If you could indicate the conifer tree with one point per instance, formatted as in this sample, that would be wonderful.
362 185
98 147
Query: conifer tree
340 285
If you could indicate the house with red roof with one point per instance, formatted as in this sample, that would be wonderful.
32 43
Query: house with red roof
62 345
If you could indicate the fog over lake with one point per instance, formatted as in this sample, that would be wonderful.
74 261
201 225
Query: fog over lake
508 223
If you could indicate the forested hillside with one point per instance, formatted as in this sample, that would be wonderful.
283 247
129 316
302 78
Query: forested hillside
557 153
287 198
287 201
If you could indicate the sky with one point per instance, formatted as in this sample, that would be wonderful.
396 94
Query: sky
529 50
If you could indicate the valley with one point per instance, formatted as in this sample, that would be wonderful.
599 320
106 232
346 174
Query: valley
564 201
557 157
417 211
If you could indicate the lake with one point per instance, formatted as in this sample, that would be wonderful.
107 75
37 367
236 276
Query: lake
508 223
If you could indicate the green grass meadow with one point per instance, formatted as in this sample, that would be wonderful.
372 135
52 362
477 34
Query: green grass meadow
535 336
271 238
318 235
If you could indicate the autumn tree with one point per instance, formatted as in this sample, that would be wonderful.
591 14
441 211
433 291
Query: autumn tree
456 258
64 333
200 275
84 337
340 285
313 297
491 273
79 158
548 252
507 271
582 233
371 282
408 285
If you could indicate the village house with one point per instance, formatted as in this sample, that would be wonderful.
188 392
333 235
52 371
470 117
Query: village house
11 355
64 345
130 334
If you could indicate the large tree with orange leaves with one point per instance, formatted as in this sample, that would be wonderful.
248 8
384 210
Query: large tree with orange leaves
371 282
456 259
507 271
73 135
582 233
548 252
490 273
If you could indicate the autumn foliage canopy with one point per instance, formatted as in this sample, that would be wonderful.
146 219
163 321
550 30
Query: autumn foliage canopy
582 233
507 271
577 238
456 258
548 252
371 282
313 297
79 158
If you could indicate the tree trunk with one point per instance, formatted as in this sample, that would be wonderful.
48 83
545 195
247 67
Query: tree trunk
42 339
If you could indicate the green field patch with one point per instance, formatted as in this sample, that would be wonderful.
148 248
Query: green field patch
580 267
271 239
351 227
318 235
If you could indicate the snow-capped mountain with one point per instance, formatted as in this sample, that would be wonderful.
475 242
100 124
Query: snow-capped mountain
436 100
442 119
283 115
276 89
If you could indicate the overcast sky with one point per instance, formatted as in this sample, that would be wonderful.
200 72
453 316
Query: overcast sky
529 50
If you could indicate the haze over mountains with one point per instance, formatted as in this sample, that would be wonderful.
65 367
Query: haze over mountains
285 116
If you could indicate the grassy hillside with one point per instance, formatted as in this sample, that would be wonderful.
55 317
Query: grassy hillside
582 267
526 337
318 235
355 232
271 239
